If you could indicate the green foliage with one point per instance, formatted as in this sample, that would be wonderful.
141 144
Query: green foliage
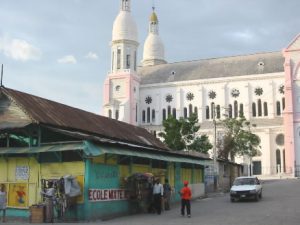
172 135
182 134
238 139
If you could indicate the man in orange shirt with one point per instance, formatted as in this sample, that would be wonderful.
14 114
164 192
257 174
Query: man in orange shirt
186 195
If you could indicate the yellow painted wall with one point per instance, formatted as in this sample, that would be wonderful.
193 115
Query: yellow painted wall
198 176
57 170
3 170
36 172
171 174
31 186
186 174
106 159
123 173
137 168
160 173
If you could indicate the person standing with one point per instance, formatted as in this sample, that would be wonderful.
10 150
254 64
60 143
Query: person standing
158 193
49 196
3 201
186 195
167 194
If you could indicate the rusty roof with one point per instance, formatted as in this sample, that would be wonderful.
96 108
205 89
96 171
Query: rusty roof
47 112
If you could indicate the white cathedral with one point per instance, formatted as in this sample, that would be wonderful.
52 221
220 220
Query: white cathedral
144 95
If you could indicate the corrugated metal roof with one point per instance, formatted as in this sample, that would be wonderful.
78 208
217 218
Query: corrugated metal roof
260 63
52 113
92 150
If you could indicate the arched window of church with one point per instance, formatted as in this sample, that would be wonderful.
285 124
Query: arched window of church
236 110
153 115
278 161
253 109
144 116
230 111
117 114
109 113
128 61
164 114
259 108
207 113
148 115
218 111
283 103
185 113
119 58
169 111
213 110
196 111
278 108
190 109
174 113
265 109
241 112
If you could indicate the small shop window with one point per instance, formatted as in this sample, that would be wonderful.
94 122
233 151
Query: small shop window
124 160
159 164
138 160
71 156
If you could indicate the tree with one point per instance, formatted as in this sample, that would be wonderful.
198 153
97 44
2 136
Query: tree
238 139
182 134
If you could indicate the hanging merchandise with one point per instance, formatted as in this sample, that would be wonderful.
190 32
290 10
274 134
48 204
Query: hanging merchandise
72 188
59 195
139 190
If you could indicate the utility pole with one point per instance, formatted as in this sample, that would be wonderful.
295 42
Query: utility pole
215 147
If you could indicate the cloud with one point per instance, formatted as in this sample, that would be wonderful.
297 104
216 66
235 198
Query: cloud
68 59
245 35
19 50
92 55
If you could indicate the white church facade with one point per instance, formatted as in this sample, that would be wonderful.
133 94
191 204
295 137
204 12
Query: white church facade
258 85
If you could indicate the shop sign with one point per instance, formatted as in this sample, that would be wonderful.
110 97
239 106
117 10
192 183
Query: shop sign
98 195
22 172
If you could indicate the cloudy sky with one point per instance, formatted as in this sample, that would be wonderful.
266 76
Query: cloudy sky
59 49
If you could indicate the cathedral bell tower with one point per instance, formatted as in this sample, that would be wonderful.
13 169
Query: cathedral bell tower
121 87
154 53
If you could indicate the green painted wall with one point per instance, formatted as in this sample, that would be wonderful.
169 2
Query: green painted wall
100 176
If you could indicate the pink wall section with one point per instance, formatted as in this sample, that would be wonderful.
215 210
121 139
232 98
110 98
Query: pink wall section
130 81
291 116
288 116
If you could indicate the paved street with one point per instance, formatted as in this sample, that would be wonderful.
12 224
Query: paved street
280 205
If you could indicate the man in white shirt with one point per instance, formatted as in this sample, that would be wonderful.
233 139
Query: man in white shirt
158 192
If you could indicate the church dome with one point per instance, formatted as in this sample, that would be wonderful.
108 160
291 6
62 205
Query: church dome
124 27
153 48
